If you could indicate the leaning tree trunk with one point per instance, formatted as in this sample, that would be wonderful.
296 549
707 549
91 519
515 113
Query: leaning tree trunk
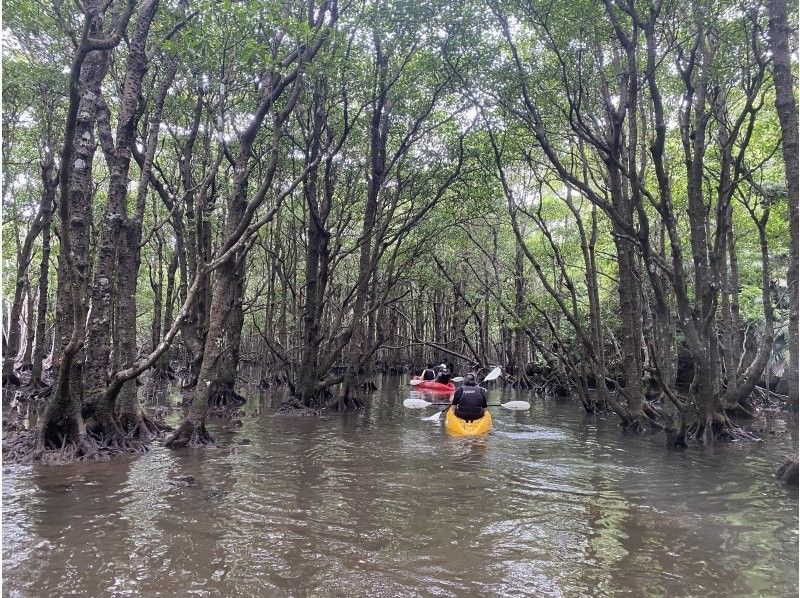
20 287
779 33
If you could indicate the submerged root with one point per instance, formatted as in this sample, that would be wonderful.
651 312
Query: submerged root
142 427
523 381
121 443
740 412
717 427
744 409
346 404
111 437
788 472
675 429
635 425
19 445
11 379
226 398
296 407
646 421
29 446
189 435
166 374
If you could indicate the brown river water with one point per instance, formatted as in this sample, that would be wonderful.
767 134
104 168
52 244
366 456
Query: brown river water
380 503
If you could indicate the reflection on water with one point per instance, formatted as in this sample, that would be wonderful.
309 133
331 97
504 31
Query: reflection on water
551 503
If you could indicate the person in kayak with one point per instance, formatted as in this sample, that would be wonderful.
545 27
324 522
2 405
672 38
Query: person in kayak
428 373
470 400
443 377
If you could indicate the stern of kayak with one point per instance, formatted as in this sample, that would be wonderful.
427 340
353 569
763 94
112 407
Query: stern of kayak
461 427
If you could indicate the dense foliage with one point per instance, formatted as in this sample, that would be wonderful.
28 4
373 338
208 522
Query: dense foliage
599 197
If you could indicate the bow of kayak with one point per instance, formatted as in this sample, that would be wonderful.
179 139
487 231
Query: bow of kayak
434 386
462 427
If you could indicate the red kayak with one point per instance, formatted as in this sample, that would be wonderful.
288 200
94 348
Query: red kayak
435 386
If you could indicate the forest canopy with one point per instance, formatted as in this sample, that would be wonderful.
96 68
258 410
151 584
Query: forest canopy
599 197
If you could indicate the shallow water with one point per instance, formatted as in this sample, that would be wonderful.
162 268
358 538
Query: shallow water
380 503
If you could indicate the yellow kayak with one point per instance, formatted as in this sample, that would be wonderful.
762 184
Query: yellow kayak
461 427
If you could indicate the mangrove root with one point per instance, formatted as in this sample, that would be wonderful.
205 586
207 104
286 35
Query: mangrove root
189 435
141 426
717 427
226 398
788 472
295 407
346 404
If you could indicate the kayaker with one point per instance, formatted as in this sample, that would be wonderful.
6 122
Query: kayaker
443 377
428 373
470 400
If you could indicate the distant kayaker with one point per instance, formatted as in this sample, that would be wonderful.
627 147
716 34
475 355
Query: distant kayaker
443 377
469 400
428 373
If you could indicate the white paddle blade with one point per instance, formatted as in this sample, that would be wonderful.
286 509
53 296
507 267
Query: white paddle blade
433 418
416 381
495 373
415 404
457 379
516 405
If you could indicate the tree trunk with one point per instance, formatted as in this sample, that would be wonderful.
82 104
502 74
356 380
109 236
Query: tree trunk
62 426
786 105
98 412
133 420
378 135
192 432
15 328
49 178
30 328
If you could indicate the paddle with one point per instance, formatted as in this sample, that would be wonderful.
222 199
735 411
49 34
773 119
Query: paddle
423 404
494 374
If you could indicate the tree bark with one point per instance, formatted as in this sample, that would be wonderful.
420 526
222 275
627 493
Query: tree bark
50 180
98 412
780 29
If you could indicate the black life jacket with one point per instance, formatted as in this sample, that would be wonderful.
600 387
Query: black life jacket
471 396
428 374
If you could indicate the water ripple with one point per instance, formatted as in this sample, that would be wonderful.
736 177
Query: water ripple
551 503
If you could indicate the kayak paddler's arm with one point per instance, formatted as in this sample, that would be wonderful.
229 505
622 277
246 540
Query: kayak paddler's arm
456 396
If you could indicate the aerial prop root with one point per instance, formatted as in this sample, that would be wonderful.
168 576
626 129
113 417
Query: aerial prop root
117 441
226 398
717 426
295 407
189 435
142 427
788 472
521 381
346 404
